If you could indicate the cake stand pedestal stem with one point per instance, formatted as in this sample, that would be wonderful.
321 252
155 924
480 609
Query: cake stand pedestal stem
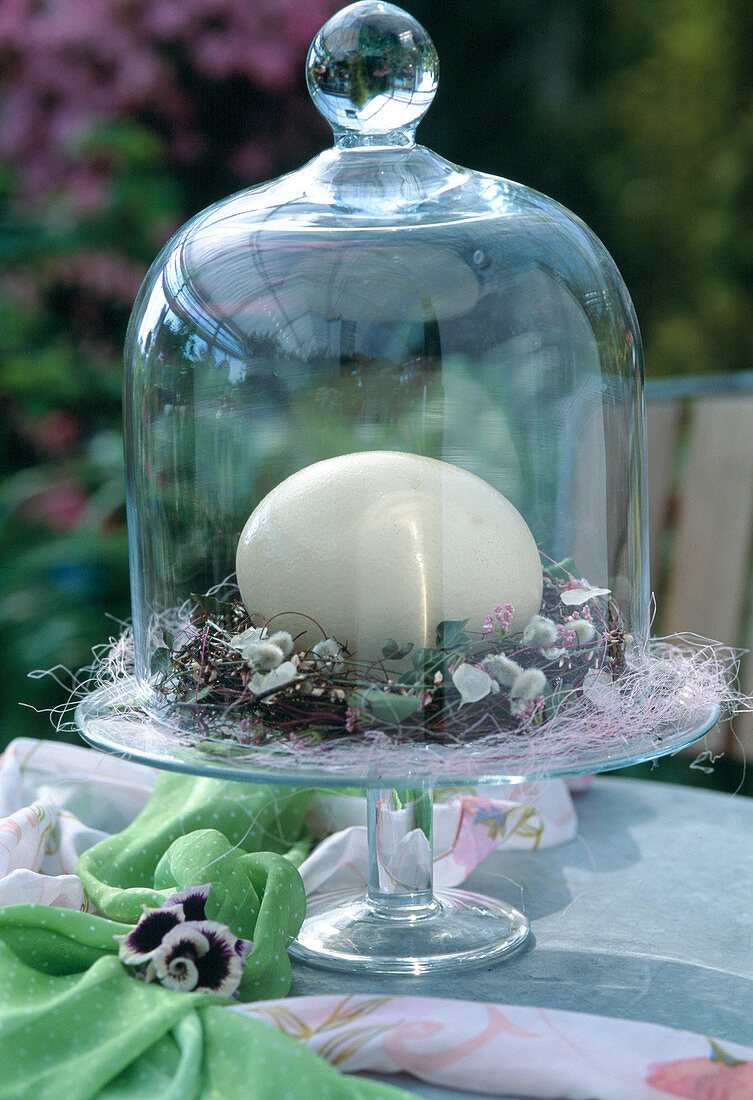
400 925
401 867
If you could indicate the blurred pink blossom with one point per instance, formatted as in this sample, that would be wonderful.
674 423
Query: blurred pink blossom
253 160
59 506
106 275
67 65
55 433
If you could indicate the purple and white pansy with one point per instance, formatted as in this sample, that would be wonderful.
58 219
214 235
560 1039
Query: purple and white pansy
200 955
178 947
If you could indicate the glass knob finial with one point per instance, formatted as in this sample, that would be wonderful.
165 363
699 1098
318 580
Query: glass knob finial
372 72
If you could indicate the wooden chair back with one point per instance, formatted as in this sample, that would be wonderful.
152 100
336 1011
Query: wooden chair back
700 469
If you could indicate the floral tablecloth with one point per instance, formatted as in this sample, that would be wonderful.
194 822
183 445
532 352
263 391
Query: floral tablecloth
58 801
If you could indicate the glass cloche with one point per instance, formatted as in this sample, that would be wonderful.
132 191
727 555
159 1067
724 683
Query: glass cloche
386 464
386 501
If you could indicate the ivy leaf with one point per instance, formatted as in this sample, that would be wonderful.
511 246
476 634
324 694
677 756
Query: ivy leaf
385 705
451 634
159 661
428 661
393 652
561 571
211 606
409 678
222 748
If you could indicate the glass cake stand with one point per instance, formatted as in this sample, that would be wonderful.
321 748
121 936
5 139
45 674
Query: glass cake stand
400 925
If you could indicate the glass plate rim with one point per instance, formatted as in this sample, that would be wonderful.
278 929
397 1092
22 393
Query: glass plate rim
98 717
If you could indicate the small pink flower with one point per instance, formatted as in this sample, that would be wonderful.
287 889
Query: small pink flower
532 707
501 618
505 615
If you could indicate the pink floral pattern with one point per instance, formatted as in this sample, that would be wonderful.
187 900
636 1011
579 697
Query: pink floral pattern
485 823
512 1050
719 1077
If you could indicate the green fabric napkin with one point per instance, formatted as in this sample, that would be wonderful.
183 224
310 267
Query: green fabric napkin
76 1022
242 838
79 1033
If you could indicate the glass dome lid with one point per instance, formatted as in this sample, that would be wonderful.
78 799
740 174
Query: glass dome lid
385 453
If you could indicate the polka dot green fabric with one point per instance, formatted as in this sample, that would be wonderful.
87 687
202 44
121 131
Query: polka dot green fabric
244 840
96 1031
76 1022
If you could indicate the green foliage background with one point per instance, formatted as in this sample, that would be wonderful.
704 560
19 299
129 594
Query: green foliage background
638 116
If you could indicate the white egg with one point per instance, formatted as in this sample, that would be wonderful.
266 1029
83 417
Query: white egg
380 545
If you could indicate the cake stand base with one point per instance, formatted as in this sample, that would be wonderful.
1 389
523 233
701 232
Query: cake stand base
456 930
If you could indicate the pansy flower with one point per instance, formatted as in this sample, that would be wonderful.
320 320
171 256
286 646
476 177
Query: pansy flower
193 899
139 945
201 956
178 947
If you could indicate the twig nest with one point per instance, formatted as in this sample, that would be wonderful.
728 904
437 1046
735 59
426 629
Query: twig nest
381 545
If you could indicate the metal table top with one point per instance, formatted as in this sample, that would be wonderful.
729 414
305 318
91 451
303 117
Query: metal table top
646 915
